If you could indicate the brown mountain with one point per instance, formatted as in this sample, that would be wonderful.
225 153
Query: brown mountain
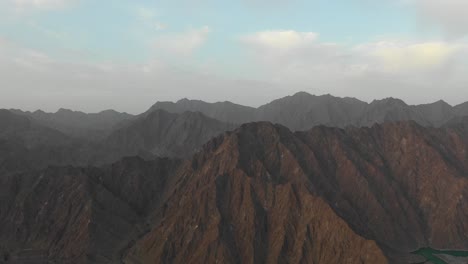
327 195
235 202
259 194
74 215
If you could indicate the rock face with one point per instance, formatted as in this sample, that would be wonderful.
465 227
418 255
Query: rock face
73 215
240 201
161 133
327 195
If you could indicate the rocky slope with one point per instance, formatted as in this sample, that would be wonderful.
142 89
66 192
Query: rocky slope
327 195
74 215
259 194
160 133
26 144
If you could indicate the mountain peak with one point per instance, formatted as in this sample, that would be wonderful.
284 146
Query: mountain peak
389 101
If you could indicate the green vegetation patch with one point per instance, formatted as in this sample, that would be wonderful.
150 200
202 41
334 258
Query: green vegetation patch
430 254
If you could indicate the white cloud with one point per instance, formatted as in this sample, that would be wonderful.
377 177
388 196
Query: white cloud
451 16
403 56
184 43
280 39
32 80
418 71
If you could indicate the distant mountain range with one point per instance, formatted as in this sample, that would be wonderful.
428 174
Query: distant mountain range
300 111
303 111
78 124
335 180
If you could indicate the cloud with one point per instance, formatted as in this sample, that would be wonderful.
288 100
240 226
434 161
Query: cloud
451 16
402 56
413 70
31 80
416 71
182 44
280 39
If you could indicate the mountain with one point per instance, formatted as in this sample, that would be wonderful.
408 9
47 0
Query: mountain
437 113
462 109
25 144
390 110
368 195
78 215
303 111
21 129
223 111
78 124
160 133
258 194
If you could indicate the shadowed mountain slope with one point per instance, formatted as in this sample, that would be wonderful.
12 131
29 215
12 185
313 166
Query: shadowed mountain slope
74 215
223 111
161 133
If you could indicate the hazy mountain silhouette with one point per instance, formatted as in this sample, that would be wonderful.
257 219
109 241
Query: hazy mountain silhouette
223 111
161 133
303 111
79 124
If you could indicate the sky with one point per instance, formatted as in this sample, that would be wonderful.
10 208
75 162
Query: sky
92 55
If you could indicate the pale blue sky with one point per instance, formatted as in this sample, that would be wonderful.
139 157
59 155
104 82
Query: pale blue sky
247 51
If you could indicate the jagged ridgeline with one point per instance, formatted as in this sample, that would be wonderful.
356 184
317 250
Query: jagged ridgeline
335 180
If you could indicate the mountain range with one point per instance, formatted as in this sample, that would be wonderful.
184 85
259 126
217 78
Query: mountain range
300 111
303 111
303 179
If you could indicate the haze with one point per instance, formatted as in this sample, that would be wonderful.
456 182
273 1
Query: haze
94 55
